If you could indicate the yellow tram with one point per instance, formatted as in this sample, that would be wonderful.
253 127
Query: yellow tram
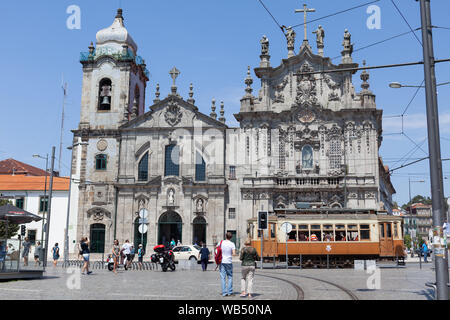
344 235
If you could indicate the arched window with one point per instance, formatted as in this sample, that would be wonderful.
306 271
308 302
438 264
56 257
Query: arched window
307 157
100 162
97 237
172 160
143 168
104 95
200 168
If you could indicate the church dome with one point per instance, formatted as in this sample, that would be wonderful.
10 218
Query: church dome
116 35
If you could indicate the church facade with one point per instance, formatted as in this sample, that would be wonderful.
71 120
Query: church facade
307 138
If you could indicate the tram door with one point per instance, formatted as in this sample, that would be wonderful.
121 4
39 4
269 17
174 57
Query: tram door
386 239
270 243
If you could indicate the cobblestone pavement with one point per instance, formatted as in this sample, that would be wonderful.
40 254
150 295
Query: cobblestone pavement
395 284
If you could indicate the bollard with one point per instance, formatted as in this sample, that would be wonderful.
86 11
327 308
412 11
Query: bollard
328 261
301 262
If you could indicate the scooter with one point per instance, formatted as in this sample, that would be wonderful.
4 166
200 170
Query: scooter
164 257
110 264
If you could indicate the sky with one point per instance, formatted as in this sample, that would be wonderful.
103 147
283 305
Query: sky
212 42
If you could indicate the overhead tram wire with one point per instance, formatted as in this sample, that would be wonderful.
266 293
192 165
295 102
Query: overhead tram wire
406 21
275 20
336 13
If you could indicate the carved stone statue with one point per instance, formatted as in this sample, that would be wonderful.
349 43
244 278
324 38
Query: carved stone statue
320 35
199 205
264 45
171 197
348 42
290 36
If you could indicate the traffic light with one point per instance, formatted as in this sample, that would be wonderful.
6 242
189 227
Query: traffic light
22 230
262 220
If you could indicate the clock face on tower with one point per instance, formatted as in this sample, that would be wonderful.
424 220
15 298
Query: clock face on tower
306 116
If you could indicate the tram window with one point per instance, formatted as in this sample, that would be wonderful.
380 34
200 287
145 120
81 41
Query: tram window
303 227
303 233
365 231
396 230
340 232
327 227
381 230
328 234
388 230
316 234
272 230
293 235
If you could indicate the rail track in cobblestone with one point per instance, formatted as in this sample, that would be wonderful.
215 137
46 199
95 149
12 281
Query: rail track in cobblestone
298 289
347 291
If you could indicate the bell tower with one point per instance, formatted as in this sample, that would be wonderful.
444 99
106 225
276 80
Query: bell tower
114 79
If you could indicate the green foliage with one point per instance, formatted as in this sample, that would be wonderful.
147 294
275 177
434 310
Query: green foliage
12 228
417 199
407 241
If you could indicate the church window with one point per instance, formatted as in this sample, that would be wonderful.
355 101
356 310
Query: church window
104 96
100 162
232 213
232 172
307 157
172 160
143 168
335 154
200 168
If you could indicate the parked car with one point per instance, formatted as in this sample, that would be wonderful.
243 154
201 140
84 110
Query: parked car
186 252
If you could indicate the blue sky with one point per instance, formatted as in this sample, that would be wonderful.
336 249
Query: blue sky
211 43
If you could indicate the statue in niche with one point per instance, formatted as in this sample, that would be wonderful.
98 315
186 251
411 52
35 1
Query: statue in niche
264 45
199 205
171 197
307 157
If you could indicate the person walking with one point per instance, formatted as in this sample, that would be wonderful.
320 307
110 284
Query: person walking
140 256
116 254
55 252
26 250
248 256
85 252
38 254
172 243
228 249
203 256
425 251
126 248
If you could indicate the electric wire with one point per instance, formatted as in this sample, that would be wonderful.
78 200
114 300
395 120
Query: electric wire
406 21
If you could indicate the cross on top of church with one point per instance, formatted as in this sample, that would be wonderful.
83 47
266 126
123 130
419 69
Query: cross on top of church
174 73
305 10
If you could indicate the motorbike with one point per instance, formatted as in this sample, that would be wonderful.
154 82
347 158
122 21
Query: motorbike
110 264
164 257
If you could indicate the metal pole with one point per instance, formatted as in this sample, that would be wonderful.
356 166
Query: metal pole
262 239
301 262
437 195
287 261
49 208
45 198
66 245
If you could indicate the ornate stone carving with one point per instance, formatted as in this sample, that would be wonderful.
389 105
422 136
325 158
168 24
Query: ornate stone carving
264 45
248 195
171 197
200 205
173 114
102 145
308 196
279 96
306 116
306 87
98 214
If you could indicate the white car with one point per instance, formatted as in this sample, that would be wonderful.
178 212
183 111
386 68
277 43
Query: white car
188 252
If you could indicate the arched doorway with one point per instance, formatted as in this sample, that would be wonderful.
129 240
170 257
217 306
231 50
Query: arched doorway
138 238
97 238
170 227
199 231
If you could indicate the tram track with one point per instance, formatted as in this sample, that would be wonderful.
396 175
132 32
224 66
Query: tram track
298 289
347 291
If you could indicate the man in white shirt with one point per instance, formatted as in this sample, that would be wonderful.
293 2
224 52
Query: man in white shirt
226 267
126 248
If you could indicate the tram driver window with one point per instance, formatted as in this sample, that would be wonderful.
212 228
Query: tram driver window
303 232
293 233
272 230
388 230
340 232
365 231
352 232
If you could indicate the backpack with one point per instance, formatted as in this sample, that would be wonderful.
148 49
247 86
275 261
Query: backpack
218 254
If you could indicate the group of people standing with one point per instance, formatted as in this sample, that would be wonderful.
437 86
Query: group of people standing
248 256
127 253
38 253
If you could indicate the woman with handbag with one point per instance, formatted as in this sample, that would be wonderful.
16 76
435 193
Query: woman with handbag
248 256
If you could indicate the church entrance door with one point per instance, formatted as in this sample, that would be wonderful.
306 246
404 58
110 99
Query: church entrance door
199 234
170 227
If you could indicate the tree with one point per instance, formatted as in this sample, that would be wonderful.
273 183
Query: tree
407 241
417 199
12 228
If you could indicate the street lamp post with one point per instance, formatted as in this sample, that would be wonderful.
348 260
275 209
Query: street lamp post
410 213
45 192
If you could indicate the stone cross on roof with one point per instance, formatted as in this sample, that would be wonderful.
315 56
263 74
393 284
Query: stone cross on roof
174 73
305 10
